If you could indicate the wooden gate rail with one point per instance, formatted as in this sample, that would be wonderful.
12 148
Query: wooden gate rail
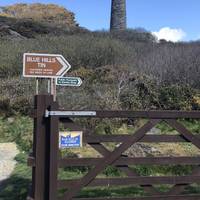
171 197
155 114
45 159
72 162
146 138
171 180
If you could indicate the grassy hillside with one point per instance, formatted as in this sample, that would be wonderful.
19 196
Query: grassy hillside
128 70
40 12
21 21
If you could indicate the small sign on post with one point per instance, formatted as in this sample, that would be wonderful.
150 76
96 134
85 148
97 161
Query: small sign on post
69 81
70 139
44 65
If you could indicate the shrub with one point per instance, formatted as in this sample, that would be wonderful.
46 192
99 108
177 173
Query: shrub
78 50
176 97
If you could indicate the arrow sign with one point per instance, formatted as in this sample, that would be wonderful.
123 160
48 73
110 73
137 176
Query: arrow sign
44 65
69 81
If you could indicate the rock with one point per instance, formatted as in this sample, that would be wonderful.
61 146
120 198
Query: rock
6 31
154 131
14 34
11 120
141 150
4 27
79 155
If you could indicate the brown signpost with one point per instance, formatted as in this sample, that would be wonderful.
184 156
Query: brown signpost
44 65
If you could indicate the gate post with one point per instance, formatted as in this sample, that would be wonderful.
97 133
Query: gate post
53 153
40 151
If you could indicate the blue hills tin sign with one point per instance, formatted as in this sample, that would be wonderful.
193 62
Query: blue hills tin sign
70 139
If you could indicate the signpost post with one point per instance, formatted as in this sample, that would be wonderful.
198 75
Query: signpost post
50 67
69 81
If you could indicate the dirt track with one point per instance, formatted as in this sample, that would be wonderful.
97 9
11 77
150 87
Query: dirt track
8 151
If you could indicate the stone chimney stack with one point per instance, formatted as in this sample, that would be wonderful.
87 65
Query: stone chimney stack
118 15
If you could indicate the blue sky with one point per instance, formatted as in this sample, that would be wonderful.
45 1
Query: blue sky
179 19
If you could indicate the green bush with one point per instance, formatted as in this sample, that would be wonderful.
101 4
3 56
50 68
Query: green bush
17 96
167 170
5 108
141 93
22 105
112 171
176 97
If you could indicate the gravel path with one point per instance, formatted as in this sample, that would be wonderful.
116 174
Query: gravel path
8 151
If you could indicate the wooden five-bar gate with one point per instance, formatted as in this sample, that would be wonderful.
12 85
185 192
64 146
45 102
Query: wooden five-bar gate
45 159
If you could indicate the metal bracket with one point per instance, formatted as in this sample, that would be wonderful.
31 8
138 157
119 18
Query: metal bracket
70 113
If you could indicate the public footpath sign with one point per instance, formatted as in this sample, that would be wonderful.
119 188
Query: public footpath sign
70 139
69 81
44 65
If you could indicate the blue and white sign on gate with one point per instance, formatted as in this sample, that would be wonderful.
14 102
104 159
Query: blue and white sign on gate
70 139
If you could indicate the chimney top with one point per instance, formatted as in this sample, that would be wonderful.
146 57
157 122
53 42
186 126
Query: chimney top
118 15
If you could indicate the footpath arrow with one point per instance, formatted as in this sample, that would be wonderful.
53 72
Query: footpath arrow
65 65
69 81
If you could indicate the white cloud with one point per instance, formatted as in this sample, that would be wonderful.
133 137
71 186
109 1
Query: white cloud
170 34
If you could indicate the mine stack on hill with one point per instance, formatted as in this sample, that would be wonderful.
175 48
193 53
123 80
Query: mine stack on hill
118 15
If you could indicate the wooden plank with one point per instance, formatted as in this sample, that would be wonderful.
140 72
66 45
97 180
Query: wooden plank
147 138
143 180
39 145
69 162
184 131
53 148
163 197
112 157
149 114
158 114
